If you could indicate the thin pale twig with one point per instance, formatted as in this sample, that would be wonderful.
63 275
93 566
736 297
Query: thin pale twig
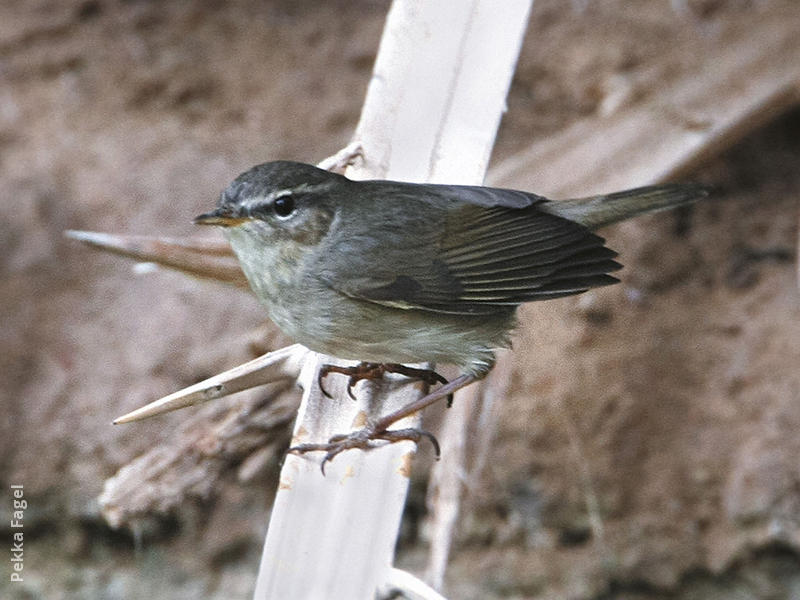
280 365
210 259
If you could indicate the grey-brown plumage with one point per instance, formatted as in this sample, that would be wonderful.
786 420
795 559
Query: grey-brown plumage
395 272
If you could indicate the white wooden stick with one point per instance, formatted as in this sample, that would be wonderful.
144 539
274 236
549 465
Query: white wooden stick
431 114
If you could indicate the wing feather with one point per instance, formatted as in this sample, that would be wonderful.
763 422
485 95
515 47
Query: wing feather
477 251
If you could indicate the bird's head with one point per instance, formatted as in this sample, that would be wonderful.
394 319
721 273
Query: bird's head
278 201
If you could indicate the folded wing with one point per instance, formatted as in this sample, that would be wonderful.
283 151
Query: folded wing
486 251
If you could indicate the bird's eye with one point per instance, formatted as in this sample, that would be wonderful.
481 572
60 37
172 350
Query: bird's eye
284 206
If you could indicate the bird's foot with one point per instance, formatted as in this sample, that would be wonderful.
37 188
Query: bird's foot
362 440
373 371
378 430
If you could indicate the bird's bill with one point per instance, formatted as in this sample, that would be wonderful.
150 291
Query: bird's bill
220 217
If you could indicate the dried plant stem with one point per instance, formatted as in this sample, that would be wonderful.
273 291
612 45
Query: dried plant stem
686 117
334 536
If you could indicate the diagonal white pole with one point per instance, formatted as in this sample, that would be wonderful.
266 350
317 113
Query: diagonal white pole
431 114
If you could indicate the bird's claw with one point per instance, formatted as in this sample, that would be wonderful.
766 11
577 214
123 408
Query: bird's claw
321 374
361 440
368 370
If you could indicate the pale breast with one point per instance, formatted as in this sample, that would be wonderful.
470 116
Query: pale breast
327 321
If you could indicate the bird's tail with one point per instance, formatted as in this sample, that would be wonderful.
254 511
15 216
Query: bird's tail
597 211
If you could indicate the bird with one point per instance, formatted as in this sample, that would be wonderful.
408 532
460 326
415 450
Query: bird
389 272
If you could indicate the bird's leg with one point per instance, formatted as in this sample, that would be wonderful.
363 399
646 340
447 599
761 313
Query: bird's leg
369 370
379 429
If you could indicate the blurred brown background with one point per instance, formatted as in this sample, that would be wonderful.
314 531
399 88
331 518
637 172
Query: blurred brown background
648 448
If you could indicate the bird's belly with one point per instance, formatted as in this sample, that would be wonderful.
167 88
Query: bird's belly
364 331
326 321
